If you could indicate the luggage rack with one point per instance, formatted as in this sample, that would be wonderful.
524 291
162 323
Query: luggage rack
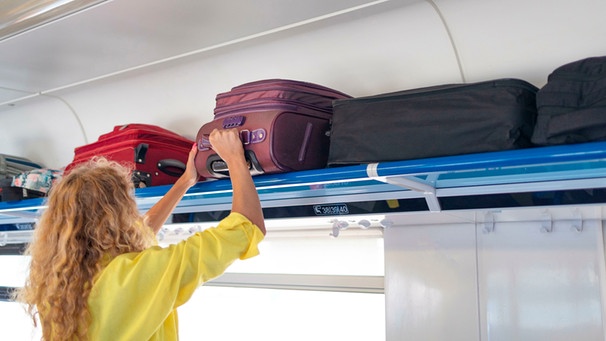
435 180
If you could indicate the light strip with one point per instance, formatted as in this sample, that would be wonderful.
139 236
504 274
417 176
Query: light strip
17 16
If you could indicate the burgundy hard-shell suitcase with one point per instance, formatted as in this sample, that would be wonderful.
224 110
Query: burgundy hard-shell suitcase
284 125
158 156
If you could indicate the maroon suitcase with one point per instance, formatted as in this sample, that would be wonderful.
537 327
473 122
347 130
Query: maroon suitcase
158 156
284 125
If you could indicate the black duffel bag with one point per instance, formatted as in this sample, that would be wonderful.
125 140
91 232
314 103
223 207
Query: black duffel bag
572 105
435 121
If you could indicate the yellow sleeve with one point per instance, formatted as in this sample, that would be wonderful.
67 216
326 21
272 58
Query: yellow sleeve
136 292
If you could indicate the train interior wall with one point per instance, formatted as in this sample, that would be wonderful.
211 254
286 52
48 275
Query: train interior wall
447 275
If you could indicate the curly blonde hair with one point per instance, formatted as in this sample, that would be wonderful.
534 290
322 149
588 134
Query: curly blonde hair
91 218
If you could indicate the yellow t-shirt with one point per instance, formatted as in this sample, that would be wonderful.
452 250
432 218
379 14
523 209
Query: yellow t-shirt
136 295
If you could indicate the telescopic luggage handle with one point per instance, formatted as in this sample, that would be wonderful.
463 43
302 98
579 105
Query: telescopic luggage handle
218 168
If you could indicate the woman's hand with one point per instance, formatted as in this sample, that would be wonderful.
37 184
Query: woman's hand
227 144
190 176
159 213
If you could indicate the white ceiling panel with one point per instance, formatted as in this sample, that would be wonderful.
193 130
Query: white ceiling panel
10 94
119 35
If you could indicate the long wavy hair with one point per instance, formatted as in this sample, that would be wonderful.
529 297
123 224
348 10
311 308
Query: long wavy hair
91 218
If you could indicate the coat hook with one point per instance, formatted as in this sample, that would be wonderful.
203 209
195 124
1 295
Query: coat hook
577 221
546 222
337 226
386 223
488 222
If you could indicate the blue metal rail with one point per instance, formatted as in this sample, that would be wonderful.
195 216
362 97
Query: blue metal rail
579 166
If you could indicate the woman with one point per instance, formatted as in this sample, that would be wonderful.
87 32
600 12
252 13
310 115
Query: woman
94 273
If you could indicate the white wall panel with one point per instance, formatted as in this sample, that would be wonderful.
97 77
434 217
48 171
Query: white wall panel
431 282
523 38
537 285
45 129
504 277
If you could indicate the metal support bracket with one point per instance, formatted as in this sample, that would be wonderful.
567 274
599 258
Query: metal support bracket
413 184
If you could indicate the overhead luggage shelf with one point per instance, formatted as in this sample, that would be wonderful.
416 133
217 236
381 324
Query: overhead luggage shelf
541 169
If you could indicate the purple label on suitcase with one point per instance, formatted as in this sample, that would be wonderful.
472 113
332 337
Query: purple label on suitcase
233 121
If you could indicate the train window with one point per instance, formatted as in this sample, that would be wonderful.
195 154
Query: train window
221 313
304 285
16 324
14 270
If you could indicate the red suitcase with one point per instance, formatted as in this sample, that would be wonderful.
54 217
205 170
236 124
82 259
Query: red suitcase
157 155
284 125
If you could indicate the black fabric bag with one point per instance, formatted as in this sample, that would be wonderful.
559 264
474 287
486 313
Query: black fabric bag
572 105
10 193
434 121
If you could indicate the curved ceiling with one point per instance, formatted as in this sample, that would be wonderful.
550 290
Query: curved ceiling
115 36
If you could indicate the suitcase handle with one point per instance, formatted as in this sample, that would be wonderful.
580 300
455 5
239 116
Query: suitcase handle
168 166
246 136
218 168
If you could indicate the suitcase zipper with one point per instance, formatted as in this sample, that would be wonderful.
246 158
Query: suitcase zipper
331 94
297 84
283 105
